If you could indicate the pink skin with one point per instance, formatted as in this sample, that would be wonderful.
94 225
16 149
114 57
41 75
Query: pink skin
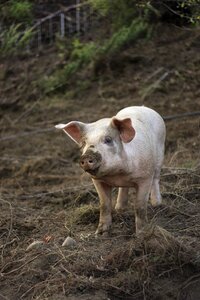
124 151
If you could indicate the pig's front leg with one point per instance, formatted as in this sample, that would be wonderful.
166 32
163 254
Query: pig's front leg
143 191
105 220
122 199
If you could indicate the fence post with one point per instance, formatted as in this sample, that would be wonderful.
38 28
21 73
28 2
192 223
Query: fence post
78 17
50 30
62 25
84 20
39 36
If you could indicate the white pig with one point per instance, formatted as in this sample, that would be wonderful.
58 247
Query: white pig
124 151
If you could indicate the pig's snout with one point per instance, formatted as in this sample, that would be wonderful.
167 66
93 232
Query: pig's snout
90 162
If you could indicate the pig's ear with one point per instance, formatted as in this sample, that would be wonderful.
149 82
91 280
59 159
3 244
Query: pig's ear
126 130
73 129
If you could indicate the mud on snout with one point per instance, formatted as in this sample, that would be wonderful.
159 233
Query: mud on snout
90 162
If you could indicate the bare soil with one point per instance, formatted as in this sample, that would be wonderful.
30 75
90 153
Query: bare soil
44 196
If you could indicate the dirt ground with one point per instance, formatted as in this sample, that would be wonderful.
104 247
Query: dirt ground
45 197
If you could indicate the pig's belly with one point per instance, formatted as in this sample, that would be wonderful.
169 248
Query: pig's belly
120 180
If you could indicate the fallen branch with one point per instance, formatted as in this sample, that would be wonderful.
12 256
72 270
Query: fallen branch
20 267
23 134
180 116
70 188
7 242
152 87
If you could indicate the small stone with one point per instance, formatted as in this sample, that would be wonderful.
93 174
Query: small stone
35 245
69 242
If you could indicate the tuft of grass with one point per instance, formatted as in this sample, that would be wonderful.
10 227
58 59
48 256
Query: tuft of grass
86 214
20 11
125 36
12 39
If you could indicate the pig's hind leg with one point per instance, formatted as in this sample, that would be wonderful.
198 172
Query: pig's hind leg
155 196
122 199
142 196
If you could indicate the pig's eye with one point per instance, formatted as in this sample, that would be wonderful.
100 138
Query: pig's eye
108 140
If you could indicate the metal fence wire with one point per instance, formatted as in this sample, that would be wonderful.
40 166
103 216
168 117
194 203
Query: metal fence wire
75 20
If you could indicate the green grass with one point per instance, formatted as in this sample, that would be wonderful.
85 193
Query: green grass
20 11
12 39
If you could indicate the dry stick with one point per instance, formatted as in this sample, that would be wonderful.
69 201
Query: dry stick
71 188
123 291
3 297
175 12
156 84
180 212
10 227
189 228
8 243
23 134
178 169
180 116
20 267
156 72
189 281
178 196
44 282
27 112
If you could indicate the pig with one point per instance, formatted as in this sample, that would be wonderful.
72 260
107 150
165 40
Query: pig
124 151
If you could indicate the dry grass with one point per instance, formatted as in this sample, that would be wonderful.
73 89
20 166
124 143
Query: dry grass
122 265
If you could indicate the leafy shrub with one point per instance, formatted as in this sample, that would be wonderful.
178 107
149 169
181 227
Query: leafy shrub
189 10
122 12
83 52
12 39
83 55
124 36
17 11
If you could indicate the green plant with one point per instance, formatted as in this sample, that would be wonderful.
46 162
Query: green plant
102 6
85 54
15 11
20 10
189 10
124 36
12 39
81 55
121 12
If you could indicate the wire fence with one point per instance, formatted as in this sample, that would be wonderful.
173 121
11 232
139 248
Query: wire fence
75 20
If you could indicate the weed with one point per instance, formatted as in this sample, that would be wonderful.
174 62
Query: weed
18 11
91 54
121 12
85 214
12 39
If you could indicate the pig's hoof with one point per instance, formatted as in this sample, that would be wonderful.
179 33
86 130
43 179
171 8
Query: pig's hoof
156 202
120 209
103 229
